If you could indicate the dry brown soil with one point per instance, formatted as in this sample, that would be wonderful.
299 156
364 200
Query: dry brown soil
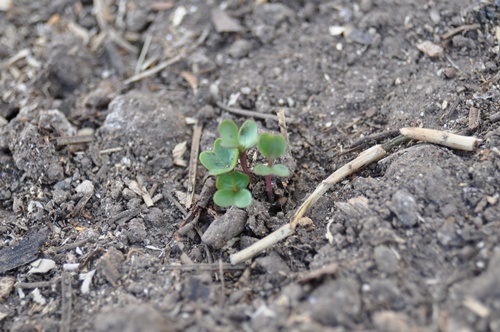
411 243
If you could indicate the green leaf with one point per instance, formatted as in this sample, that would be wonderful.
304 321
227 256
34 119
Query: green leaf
278 170
233 181
220 160
228 131
226 198
243 198
271 146
247 135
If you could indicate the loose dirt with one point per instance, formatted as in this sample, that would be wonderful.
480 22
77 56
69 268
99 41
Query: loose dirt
96 96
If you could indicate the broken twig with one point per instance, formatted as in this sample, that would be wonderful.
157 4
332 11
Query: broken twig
459 142
247 113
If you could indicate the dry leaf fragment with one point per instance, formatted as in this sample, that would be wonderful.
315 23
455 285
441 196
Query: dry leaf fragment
178 152
431 49
191 79
42 266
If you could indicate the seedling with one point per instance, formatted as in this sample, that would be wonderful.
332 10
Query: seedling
232 190
242 139
221 160
234 144
271 147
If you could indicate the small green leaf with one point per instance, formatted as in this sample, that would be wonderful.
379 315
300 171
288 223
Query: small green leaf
271 146
278 170
248 136
220 160
228 131
243 198
226 198
233 181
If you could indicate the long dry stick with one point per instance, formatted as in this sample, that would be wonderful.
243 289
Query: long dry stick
371 155
193 161
367 157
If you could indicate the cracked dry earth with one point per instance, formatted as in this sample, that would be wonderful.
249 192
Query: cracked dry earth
97 95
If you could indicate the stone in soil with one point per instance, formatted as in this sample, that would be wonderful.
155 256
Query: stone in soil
34 156
224 228
337 302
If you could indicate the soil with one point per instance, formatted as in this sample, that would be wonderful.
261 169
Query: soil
89 182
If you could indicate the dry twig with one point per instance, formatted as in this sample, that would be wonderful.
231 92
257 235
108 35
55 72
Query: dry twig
193 161
371 155
159 67
247 113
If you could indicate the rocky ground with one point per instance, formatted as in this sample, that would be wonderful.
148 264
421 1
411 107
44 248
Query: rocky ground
103 102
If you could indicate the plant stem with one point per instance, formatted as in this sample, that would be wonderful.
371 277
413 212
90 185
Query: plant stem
244 165
269 184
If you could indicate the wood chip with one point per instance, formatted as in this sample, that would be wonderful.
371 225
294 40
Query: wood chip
474 118
225 23
23 252
109 265
431 49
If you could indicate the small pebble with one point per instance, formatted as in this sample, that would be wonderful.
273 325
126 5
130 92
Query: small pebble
405 208
386 260
225 228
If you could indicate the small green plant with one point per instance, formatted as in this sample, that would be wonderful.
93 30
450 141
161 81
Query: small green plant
234 144
232 190
242 139
271 147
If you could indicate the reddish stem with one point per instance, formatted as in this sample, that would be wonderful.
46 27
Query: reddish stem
244 165
269 184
